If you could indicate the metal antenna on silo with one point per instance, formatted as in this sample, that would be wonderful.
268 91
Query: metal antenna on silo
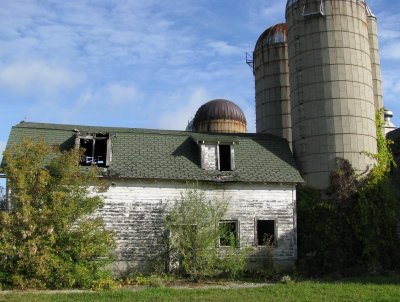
250 61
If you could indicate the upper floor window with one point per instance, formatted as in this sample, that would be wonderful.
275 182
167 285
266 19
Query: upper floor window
96 148
225 158
217 153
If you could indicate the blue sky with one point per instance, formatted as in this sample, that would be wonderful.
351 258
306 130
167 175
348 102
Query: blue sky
144 63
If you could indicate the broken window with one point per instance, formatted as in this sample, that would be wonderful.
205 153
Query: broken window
96 148
225 158
228 233
3 200
266 232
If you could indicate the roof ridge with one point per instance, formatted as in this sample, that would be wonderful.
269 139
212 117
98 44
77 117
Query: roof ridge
71 127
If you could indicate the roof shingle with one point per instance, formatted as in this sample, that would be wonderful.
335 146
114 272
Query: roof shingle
174 155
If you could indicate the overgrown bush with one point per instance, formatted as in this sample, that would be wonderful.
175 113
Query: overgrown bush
354 229
194 232
47 238
234 261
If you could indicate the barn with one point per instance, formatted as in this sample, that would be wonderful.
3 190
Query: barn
147 170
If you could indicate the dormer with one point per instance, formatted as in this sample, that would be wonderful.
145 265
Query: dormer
216 154
96 147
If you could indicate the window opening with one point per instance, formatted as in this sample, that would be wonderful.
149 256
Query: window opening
96 149
225 157
3 199
228 233
266 232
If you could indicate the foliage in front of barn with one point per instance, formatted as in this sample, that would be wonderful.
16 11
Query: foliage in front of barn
355 228
194 233
47 238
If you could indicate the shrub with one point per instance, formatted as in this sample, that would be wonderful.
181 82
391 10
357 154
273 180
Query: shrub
48 238
193 225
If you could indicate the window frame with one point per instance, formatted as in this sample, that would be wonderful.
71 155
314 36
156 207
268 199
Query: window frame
98 136
237 229
232 157
275 241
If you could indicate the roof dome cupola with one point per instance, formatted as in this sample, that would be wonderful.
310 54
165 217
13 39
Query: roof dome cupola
220 116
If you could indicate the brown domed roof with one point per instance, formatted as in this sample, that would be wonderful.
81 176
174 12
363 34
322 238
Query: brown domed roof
219 110
273 35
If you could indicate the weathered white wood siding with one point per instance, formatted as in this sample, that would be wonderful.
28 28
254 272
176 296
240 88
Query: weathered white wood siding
135 211
209 157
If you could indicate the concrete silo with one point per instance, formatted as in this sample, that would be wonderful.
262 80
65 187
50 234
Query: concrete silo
331 86
375 59
271 71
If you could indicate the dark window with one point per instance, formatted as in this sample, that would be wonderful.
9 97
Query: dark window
228 233
225 157
96 149
265 232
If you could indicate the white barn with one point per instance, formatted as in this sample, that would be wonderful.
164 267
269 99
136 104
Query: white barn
148 169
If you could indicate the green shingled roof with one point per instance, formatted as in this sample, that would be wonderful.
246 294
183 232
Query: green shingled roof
174 155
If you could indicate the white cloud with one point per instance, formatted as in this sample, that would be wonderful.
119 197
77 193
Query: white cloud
388 34
223 48
39 77
391 50
119 93
391 82
272 11
391 91
263 14
110 95
178 119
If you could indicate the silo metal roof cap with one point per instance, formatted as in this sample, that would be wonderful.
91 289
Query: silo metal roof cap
274 35
219 109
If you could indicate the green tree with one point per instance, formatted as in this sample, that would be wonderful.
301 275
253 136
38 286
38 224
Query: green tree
48 238
194 232
193 224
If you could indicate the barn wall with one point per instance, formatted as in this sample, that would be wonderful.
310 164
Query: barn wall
135 212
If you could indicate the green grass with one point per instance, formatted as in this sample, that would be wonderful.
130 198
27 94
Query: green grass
385 289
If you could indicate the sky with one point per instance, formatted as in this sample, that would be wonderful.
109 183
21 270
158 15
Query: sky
144 63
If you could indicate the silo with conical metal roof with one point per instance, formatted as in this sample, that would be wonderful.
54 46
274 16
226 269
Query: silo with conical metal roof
271 71
332 96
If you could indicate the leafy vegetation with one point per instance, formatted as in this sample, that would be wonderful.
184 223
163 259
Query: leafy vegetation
48 238
194 233
354 229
